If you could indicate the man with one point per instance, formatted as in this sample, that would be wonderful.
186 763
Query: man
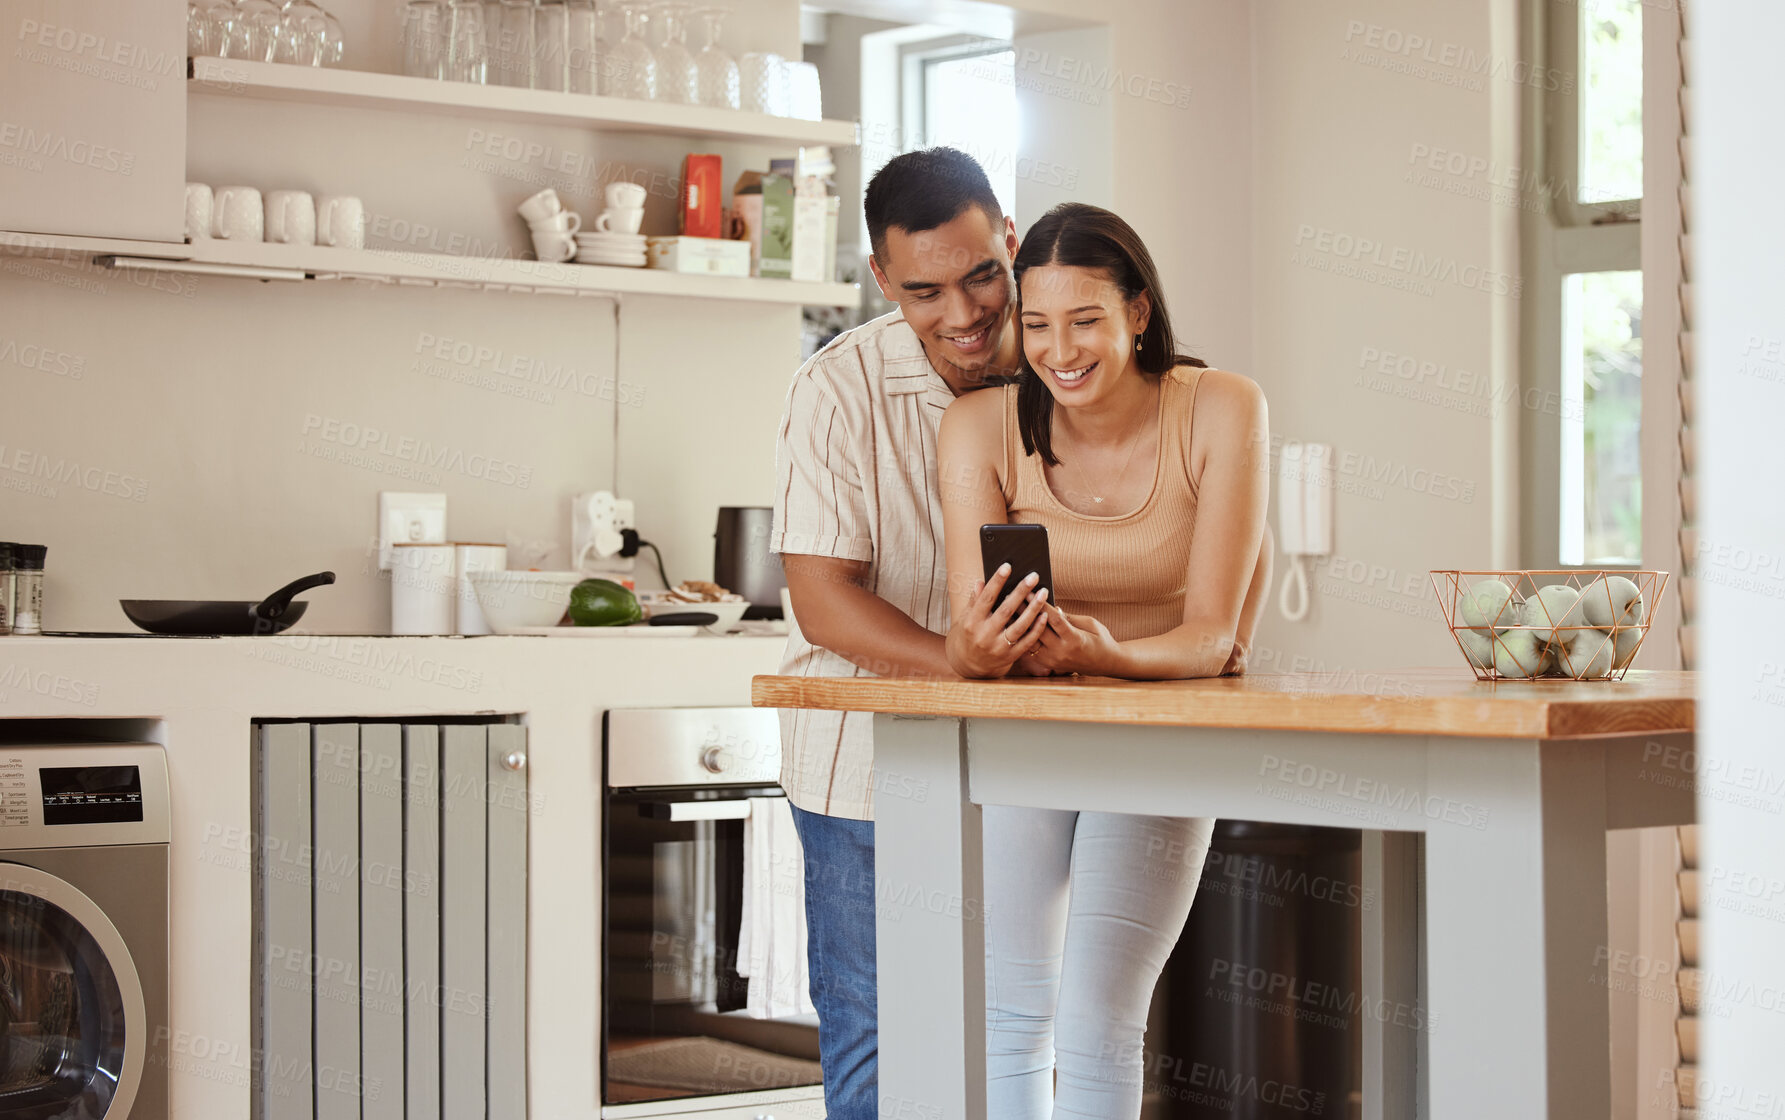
858 522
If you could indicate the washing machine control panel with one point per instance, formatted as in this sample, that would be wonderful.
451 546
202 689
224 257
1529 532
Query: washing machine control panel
80 794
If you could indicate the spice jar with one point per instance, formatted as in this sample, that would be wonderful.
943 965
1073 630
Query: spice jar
6 548
27 596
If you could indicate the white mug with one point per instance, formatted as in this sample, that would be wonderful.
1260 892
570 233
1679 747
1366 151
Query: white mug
564 221
541 206
237 215
625 196
422 589
341 222
553 247
291 217
614 220
198 211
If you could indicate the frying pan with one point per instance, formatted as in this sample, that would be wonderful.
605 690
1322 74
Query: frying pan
196 616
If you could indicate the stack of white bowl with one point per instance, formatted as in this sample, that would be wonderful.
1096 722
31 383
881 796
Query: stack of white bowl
615 240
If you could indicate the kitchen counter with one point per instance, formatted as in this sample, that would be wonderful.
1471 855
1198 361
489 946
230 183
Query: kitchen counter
1484 809
198 697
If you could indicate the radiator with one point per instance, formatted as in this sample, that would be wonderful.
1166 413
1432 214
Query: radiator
390 921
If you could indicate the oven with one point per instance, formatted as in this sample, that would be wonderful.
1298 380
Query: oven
680 788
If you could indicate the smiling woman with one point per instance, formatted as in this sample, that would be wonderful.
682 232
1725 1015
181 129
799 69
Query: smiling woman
1158 573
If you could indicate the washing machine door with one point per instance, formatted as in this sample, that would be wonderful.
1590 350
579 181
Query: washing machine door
71 1005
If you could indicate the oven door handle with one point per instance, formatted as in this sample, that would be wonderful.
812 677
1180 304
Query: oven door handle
736 810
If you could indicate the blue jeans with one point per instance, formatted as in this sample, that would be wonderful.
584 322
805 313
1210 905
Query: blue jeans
839 855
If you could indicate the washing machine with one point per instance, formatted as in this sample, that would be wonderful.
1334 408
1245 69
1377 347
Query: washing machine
83 932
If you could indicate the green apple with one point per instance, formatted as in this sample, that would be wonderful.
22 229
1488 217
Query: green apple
1588 654
1485 604
1517 654
1478 646
1612 601
1550 608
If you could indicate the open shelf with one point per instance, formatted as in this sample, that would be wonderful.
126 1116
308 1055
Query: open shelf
279 82
315 262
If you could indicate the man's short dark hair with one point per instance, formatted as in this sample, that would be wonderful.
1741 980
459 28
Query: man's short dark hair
924 189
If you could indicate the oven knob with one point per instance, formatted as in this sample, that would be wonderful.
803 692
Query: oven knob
714 760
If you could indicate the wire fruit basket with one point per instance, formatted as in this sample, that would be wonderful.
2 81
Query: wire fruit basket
1570 624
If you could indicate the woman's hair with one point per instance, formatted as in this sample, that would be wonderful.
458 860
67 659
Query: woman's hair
1079 236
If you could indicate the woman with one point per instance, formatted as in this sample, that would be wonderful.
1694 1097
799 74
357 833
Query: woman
1149 472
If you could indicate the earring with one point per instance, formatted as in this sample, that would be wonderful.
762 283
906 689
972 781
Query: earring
1137 346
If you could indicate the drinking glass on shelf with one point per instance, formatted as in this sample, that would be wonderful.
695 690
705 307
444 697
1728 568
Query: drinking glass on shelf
551 46
468 48
254 30
334 43
303 32
631 69
511 54
804 99
678 78
718 70
424 39
763 75
582 38
207 26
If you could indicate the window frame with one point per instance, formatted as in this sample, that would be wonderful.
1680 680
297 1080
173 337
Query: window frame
1564 238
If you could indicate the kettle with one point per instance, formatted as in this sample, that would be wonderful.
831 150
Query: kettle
742 561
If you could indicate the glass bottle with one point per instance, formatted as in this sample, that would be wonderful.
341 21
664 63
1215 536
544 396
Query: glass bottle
678 78
632 68
718 71
27 601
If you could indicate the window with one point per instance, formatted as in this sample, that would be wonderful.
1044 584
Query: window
1584 309
965 96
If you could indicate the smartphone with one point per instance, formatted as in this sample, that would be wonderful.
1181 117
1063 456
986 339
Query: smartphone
1024 548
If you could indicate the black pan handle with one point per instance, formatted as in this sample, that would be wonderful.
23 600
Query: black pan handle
274 605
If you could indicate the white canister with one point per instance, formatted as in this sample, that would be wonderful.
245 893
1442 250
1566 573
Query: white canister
422 589
468 558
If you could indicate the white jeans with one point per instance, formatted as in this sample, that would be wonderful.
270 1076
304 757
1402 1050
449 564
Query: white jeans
1082 910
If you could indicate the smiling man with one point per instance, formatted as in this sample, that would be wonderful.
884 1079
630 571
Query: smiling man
858 522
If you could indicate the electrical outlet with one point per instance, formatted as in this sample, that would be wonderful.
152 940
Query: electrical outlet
408 519
595 523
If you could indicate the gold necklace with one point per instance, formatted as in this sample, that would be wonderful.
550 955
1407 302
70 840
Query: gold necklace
1126 463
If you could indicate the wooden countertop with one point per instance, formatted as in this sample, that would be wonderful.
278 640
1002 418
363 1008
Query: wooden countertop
1395 701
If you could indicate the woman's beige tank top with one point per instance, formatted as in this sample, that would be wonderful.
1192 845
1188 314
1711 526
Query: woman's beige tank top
1128 572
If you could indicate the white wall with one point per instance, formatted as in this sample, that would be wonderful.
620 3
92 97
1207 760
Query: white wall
1736 161
224 403
1339 217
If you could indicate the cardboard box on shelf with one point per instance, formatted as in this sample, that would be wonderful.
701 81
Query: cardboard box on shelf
705 255
702 184
763 202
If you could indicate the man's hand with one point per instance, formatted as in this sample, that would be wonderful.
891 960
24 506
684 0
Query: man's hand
986 643
1075 643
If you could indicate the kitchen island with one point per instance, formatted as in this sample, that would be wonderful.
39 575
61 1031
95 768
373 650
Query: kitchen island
1484 809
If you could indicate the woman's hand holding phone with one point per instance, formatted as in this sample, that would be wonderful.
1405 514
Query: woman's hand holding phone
987 642
1074 643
